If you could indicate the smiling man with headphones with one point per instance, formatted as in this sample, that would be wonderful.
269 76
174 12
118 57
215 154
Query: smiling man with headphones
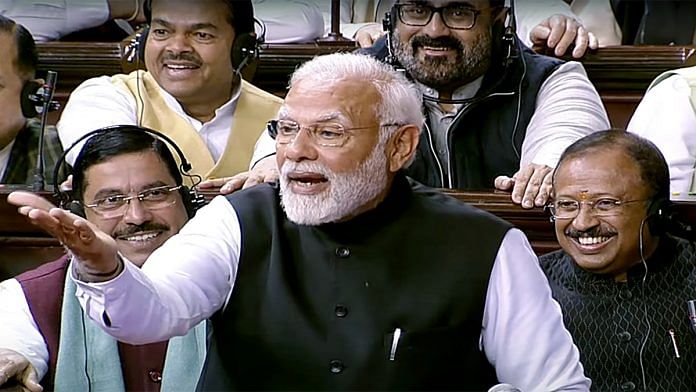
192 89
20 130
624 278
127 183
498 114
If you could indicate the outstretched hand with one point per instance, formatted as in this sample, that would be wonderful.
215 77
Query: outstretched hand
266 170
15 367
95 249
559 32
531 185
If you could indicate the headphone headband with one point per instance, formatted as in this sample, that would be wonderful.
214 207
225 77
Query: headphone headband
184 167
192 200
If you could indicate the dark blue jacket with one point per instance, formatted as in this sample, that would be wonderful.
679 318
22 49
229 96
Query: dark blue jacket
486 136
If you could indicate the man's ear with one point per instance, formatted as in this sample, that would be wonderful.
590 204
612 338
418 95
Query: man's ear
402 146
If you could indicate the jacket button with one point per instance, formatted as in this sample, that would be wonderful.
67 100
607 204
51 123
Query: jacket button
342 252
628 386
155 376
341 311
624 336
336 366
625 294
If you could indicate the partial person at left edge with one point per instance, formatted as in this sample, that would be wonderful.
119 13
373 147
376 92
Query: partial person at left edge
19 128
106 20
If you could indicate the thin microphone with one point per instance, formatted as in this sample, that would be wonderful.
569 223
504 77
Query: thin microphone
691 305
47 104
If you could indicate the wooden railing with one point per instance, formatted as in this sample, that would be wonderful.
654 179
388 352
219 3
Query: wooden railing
24 246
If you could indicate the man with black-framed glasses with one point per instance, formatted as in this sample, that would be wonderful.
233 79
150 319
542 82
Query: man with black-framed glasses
623 277
499 115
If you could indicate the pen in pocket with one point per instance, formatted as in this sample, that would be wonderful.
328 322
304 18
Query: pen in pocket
673 337
395 343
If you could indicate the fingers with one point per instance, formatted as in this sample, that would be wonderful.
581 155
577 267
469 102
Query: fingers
532 186
31 380
11 365
236 183
539 36
569 31
364 40
503 183
544 192
23 198
368 34
267 175
582 40
66 185
74 230
557 26
251 181
214 183
594 42
521 179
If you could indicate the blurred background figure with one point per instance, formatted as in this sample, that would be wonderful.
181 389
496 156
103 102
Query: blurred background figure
19 128
113 20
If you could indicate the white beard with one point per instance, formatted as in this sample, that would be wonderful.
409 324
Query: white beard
347 192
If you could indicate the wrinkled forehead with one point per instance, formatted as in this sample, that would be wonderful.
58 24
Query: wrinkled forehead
344 101
599 172
128 172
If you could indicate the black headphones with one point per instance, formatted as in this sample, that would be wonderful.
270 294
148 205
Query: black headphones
245 47
659 213
508 49
191 199
28 98
662 218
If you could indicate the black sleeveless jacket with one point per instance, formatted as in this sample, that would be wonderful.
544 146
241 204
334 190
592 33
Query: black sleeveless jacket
316 307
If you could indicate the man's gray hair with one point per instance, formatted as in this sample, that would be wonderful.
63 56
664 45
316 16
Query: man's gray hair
401 99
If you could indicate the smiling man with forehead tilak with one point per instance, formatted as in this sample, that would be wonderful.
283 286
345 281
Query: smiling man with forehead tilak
625 280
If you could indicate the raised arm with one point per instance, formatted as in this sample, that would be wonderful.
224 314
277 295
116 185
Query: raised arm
568 108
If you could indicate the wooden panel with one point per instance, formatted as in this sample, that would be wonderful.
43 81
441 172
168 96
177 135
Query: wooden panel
24 246
632 68
620 73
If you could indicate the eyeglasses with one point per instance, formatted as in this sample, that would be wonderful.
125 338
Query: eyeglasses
455 16
569 209
115 206
324 134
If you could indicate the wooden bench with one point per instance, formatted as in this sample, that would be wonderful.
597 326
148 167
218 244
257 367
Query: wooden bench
620 73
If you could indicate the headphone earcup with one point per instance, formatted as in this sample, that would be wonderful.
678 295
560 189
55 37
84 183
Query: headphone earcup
658 215
28 105
244 50
134 52
186 199
141 39
76 208
192 200
503 35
